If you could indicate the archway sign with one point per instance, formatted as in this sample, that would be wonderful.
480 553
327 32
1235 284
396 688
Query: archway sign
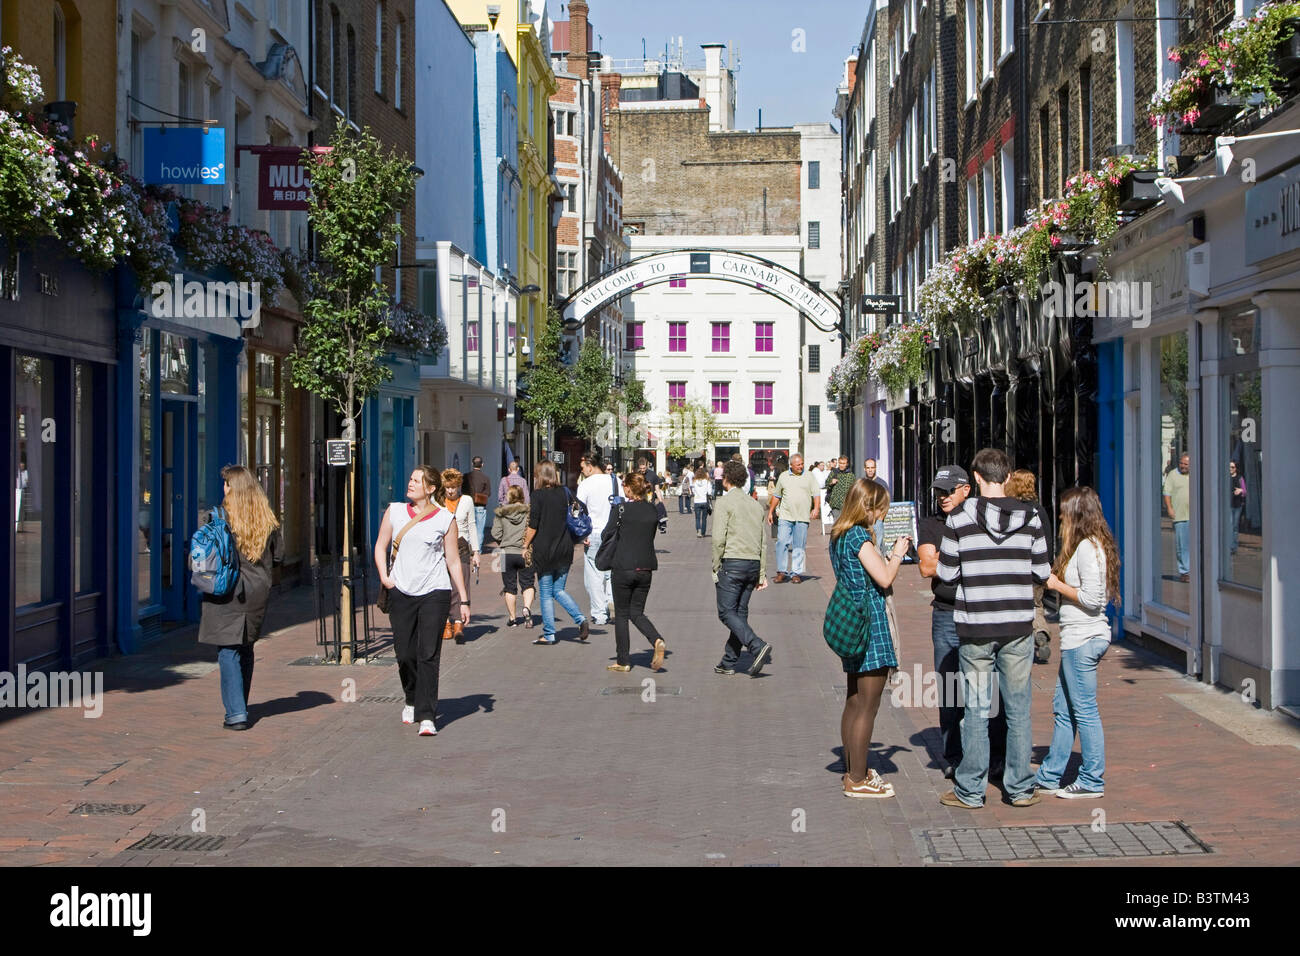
822 310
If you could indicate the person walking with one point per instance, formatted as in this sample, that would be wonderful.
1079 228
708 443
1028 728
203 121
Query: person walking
512 479
820 474
1086 575
739 569
508 531
865 576
994 538
478 487
717 479
1178 502
1022 484
684 479
633 572
233 622
796 495
548 547
839 481
701 495
1236 499
598 492
425 573
469 546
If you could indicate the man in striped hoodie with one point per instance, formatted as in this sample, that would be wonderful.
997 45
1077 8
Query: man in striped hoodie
995 550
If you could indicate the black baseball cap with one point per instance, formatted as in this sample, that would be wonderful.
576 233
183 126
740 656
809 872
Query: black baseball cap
949 477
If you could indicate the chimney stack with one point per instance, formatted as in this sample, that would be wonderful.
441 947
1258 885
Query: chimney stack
578 37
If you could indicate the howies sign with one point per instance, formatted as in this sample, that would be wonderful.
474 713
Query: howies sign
821 309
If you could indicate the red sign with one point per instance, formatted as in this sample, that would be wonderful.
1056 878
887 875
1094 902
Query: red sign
282 181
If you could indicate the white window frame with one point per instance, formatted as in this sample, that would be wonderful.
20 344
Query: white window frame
972 210
1008 29
379 47
397 63
972 38
986 45
1167 37
1008 186
1125 104
990 207
60 54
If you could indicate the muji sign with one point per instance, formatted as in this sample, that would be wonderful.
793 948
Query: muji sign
282 181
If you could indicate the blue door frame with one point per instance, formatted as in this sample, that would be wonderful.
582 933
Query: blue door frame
1110 442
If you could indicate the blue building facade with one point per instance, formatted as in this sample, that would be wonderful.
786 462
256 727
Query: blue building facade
497 186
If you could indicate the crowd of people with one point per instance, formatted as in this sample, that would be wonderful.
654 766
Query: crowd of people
988 554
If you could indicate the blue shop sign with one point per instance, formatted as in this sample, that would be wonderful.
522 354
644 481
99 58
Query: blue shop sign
185 155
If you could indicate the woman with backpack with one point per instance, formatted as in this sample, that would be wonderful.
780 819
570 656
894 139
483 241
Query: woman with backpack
422 541
233 621
636 522
508 531
548 547
1086 575
857 609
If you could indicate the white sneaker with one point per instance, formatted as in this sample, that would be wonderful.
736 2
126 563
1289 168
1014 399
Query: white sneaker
408 714
427 729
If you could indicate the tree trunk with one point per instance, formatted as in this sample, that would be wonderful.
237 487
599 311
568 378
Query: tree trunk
346 613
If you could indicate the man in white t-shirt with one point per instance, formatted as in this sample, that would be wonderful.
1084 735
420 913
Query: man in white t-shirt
595 491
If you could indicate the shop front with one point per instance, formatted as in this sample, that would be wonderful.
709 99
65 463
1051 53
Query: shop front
182 392
57 369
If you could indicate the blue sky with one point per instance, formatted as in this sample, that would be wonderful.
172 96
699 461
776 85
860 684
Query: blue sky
790 87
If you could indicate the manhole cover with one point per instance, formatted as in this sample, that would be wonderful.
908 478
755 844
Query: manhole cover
123 809
381 700
1076 842
638 689
156 841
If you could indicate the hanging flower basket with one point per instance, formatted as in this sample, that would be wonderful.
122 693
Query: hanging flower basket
1215 107
1138 191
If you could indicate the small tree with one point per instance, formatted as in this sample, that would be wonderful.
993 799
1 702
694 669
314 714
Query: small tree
545 387
691 426
357 190
593 380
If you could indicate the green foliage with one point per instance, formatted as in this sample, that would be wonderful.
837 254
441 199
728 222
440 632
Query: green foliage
691 426
545 386
593 380
633 395
357 190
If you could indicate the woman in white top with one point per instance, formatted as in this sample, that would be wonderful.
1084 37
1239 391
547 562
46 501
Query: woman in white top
701 491
425 571
1086 575
820 473
462 507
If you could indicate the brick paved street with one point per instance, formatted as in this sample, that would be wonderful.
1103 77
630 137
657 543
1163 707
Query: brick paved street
544 757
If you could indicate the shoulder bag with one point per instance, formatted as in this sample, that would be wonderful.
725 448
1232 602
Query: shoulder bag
384 592
604 559
846 627
576 518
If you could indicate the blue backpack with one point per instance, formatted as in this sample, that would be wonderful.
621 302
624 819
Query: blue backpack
214 560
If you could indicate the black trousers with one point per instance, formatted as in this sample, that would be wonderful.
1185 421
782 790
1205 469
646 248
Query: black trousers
631 588
417 641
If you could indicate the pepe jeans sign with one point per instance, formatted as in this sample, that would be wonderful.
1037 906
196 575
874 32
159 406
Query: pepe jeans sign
729 267
185 156
1273 217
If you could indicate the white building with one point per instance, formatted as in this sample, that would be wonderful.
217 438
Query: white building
736 349
819 214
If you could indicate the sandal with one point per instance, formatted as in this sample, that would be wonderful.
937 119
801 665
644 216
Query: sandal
542 640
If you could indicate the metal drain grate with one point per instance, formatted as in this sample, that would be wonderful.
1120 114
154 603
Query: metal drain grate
638 689
381 700
156 841
96 809
1078 842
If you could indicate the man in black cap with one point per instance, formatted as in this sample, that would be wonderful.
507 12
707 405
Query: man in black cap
952 485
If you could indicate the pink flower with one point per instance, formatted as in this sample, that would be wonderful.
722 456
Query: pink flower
1203 61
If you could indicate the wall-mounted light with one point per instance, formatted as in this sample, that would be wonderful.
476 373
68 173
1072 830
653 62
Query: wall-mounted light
1223 146
1174 187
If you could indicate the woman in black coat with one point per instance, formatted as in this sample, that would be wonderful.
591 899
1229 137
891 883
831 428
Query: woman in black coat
548 548
634 566
234 622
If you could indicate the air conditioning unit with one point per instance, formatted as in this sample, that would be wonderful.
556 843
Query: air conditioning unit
1198 269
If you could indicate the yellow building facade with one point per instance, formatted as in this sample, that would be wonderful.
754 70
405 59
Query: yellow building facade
71 43
522 26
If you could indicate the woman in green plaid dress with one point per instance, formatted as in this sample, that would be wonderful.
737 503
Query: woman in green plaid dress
860 569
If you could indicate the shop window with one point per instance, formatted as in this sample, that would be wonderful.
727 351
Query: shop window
1241 542
144 582
1173 482
268 430
35 540
86 488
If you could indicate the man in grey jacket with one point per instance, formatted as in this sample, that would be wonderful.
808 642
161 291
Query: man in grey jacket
739 568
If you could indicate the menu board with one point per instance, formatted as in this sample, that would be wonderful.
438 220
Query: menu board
901 520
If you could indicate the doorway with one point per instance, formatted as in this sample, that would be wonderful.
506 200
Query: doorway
176 500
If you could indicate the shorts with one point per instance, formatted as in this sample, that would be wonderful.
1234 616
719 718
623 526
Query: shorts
515 574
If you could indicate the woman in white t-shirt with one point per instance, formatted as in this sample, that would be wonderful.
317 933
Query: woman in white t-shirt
1086 575
820 473
425 570
701 491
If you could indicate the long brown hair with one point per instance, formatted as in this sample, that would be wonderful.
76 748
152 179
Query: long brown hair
1082 519
867 501
249 513
547 475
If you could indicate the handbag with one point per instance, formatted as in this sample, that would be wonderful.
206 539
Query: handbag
384 592
576 518
604 559
846 627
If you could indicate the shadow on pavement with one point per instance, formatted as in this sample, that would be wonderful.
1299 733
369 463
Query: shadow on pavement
452 709
305 700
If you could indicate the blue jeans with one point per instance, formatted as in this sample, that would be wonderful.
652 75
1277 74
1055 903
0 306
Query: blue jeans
480 519
597 582
1075 711
1181 546
550 589
947 669
1013 660
684 500
1236 523
236 666
702 519
791 537
737 579
878 536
